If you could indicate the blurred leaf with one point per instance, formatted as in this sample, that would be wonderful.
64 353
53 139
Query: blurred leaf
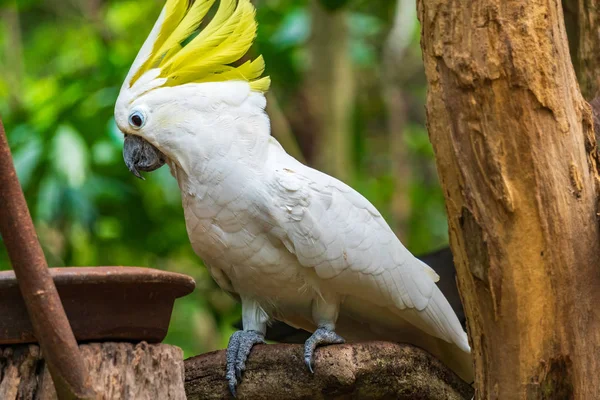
104 153
84 250
362 25
103 98
294 29
49 199
108 228
26 159
70 155
123 16
364 31
362 54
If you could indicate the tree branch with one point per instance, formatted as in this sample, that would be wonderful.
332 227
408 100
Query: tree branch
373 370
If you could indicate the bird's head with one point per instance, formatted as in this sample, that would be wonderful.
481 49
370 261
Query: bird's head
183 83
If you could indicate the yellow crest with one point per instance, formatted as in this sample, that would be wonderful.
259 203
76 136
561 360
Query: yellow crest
208 55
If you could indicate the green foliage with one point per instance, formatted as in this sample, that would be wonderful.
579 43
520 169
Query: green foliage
61 67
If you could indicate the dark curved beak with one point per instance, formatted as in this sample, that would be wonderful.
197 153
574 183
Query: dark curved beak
139 155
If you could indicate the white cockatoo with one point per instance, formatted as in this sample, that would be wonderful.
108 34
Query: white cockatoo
292 243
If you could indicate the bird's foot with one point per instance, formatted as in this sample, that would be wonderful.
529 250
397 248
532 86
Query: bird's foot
238 349
320 337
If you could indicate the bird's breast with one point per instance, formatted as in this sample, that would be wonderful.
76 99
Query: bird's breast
244 257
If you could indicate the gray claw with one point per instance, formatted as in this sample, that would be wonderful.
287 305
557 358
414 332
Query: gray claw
320 337
238 349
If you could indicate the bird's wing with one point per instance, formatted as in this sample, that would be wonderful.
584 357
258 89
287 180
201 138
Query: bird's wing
332 228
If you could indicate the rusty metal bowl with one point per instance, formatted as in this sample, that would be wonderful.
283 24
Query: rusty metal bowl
102 303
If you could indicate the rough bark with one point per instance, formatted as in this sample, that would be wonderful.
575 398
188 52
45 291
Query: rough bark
582 20
331 93
517 158
376 370
117 370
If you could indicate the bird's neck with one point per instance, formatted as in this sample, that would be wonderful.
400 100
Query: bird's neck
211 165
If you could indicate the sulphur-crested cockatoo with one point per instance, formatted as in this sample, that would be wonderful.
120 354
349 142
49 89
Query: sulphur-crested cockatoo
292 243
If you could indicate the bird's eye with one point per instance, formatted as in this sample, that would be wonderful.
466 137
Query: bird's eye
137 119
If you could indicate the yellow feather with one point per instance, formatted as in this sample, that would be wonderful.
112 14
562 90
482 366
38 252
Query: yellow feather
174 13
234 46
255 69
206 58
261 85
192 75
248 71
187 26
224 12
218 30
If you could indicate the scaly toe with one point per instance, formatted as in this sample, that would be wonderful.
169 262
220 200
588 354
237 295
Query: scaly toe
309 361
238 349
232 383
231 355
320 337
250 339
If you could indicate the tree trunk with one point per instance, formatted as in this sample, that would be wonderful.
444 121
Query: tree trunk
331 93
118 371
375 370
582 20
517 159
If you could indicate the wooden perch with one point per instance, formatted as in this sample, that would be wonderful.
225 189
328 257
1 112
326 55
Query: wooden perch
117 370
374 370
